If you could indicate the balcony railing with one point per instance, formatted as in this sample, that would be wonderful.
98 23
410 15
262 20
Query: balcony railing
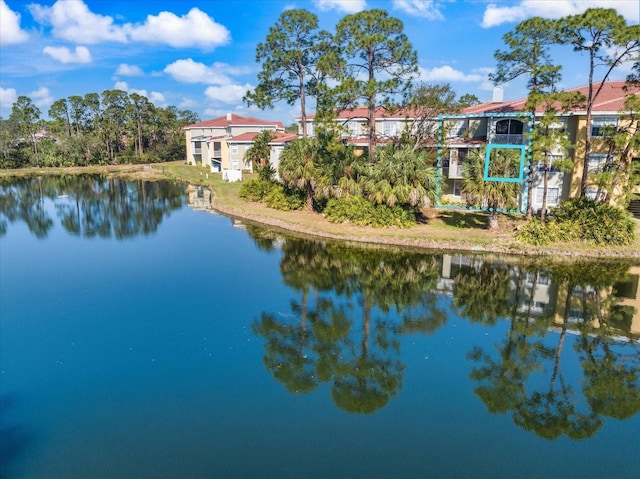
455 171
217 153
508 139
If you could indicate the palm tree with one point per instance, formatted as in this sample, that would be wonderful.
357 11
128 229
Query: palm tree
401 176
300 167
491 195
259 152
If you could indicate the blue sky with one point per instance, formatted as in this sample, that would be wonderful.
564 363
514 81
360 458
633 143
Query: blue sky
200 55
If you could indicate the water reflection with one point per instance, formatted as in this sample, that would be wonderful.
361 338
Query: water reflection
353 307
87 205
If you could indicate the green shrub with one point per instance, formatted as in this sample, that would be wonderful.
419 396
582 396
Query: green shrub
581 219
537 233
285 199
360 211
256 189
597 223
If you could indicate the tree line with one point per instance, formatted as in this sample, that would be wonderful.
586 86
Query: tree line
95 129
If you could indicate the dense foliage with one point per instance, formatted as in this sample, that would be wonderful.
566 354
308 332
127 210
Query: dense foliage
362 212
582 219
109 128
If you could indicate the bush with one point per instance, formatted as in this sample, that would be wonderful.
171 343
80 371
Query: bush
581 219
537 233
360 211
597 223
256 190
286 199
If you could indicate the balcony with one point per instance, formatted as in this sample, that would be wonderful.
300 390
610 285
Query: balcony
217 153
507 139
455 172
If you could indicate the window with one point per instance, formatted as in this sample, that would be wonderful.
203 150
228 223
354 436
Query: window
352 128
598 122
552 196
197 145
234 165
509 127
234 149
390 128
457 188
597 161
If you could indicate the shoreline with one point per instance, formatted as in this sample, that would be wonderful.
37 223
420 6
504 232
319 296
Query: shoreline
434 235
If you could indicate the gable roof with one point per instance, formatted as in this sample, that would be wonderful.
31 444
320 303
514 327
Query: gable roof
610 100
231 119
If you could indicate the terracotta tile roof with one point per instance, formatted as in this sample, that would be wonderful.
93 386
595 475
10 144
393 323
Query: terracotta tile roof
280 138
243 138
610 100
235 120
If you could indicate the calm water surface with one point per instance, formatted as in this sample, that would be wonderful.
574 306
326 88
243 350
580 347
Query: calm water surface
141 338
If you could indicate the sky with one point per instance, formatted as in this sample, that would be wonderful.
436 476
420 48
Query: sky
200 55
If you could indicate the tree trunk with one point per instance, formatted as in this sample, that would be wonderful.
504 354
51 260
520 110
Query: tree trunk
372 111
309 197
303 107
545 187
493 219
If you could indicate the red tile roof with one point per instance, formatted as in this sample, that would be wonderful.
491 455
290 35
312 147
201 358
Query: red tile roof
280 138
610 100
236 120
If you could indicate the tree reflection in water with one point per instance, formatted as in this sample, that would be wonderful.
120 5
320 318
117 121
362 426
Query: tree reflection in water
88 205
339 331
348 342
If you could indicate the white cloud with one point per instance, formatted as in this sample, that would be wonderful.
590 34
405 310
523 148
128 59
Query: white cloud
448 74
64 55
195 29
346 6
154 97
188 71
227 93
127 70
157 98
8 97
419 8
496 14
74 21
10 31
41 97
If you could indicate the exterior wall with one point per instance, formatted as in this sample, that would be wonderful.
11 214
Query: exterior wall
238 157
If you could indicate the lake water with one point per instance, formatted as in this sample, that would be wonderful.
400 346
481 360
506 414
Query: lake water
143 338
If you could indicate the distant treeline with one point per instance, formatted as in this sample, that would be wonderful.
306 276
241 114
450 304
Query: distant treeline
108 128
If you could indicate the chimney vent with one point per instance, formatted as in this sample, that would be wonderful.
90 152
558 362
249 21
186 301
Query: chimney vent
498 94
229 118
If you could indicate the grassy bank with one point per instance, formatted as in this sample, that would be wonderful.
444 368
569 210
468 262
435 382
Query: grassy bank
450 230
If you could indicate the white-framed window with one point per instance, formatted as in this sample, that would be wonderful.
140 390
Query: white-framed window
596 161
234 149
509 127
597 122
352 127
552 196
391 128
